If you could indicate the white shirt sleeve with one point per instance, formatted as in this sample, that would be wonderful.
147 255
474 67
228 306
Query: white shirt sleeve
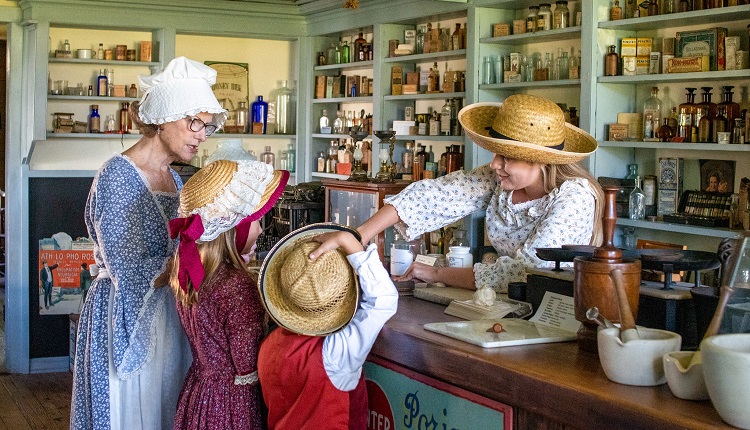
344 352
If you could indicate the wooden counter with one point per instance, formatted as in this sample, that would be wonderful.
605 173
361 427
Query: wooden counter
550 386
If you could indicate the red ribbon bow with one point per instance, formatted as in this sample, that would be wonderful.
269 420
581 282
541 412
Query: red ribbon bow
189 229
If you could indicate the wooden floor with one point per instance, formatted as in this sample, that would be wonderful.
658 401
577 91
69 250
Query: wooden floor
38 401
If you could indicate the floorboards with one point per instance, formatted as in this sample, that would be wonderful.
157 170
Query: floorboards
38 401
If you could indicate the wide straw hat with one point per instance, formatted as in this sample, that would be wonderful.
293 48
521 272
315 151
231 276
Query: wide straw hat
526 127
310 297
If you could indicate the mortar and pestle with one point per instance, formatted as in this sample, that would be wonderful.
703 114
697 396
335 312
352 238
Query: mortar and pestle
684 369
593 285
633 355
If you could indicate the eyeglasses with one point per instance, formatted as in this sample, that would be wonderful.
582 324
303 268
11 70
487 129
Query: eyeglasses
197 124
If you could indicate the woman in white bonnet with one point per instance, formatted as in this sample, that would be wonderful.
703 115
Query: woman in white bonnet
131 352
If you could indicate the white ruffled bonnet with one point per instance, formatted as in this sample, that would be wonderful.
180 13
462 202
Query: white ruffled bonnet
181 90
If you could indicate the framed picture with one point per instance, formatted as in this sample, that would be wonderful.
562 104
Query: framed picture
717 175
231 88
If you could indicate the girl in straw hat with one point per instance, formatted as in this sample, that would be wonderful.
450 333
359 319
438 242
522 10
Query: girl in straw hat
217 299
310 368
131 354
533 193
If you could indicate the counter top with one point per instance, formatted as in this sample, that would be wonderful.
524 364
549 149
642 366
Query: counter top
545 384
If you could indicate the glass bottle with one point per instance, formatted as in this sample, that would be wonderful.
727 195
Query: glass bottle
333 155
563 66
260 116
401 255
445 38
561 17
670 6
331 54
738 131
110 124
66 46
653 8
651 114
240 117
615 13
665 133
673 120
291 155
705 108
204 158
407 158
125 118
102 86
346 56
349 121
321 58
637 201
110 82
337 54
133 91
531 19
268 157
359 47
731 108
459 238
629 239
544 17
100 52
632 172
338 123
687 128
456 38
574 120
95 120
321 162
284 109
324 122
684 6
196 161
419 44
446 113
611 61
719 123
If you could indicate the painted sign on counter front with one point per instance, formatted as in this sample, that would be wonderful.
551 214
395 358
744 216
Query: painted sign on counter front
404 400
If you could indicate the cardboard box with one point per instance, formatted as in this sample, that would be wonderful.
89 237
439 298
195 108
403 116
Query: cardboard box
654 66
642 65
628 47
500 30
671 174
731 46
519 26
365 86
618 132
412 78
402 127
410 37
320 86
643 46
634 121
688 64
145 50
339 86
628 66
397 80
698 43
667 45
352 86
424 79
410 89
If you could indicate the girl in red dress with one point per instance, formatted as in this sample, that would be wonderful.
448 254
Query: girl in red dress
217 298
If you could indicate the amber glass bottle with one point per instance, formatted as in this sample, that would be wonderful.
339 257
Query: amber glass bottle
731 108
704 113
719 123
687 128
611 61
665 132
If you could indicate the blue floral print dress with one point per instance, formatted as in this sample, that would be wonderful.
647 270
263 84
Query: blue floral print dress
131 352
564 216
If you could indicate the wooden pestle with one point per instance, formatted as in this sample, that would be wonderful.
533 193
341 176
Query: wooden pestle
628 331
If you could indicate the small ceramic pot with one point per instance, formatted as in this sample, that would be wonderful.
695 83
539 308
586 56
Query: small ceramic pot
639 361
726 369
85 53
684 372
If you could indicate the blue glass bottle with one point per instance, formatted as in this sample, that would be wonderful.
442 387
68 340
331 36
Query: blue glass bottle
260 116
95 120
102 83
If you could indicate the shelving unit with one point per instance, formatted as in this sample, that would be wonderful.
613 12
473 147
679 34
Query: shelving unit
613 94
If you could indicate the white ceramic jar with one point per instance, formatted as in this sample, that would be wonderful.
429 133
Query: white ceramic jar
459 256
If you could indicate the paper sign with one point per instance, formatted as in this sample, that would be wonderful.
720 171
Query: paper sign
557 310
424 259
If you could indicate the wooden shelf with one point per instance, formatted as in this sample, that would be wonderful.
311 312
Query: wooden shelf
557 35
429 96
678 228
458 54
535 84
698 17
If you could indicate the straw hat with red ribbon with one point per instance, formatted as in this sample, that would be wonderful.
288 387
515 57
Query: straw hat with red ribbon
526 127
224 194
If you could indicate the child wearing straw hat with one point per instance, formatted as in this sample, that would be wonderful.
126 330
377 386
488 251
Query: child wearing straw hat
533 194
310 368
217 298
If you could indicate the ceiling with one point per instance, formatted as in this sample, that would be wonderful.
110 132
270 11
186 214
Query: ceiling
306 7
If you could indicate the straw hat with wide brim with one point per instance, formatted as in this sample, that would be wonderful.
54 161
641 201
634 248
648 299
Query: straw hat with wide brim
526 127
313 298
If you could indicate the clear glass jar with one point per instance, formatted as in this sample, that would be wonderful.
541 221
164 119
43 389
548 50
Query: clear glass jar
407 158
561 17
268 157
338 123
652 114
325 125
321 162
291 156
544 17
333 157
531 19
401 255
459 238
284 109
241 114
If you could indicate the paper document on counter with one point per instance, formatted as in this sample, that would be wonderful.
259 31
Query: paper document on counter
554 321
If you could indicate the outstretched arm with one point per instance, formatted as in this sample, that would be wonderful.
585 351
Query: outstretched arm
383 218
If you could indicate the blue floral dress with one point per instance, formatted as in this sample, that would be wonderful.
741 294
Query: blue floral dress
564 216
131 353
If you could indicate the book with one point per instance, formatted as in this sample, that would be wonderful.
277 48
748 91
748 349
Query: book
469 310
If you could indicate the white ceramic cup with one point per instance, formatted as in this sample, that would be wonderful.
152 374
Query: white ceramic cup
638 361
684 372
726 369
